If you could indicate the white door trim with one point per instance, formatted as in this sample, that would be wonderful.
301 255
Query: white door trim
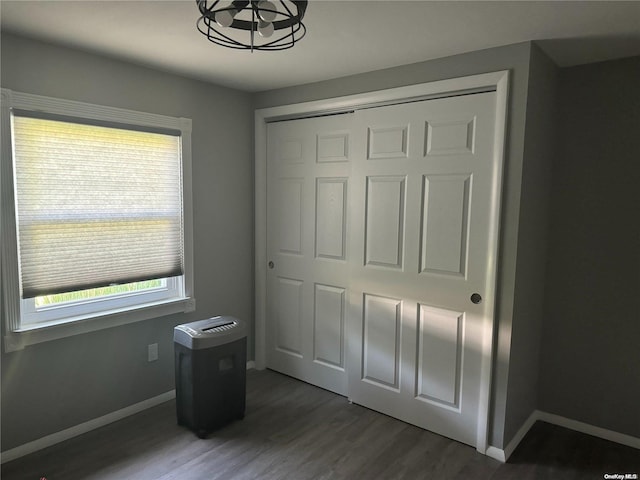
496 80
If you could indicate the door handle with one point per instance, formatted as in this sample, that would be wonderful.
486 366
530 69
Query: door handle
271 265
476 298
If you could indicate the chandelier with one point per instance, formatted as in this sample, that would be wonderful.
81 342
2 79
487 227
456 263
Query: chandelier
252 25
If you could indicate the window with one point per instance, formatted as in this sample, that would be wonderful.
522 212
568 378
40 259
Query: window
98 231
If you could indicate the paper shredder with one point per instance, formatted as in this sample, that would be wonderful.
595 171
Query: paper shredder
210 363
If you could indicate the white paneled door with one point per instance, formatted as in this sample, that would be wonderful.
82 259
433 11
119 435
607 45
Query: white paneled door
422 190
307 277
379 230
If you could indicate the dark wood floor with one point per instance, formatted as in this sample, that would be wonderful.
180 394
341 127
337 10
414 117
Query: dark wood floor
293 430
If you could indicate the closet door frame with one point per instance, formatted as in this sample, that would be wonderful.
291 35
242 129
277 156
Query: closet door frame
495 81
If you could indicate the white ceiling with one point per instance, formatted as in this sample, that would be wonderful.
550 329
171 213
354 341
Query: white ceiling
344 37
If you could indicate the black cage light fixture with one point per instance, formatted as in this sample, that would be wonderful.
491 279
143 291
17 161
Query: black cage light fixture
252 25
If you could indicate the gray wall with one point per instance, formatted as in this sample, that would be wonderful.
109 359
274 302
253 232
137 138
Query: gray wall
55 385
591 338
569 348
516 59
539 153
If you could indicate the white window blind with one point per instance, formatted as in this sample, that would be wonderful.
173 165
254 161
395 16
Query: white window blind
96 204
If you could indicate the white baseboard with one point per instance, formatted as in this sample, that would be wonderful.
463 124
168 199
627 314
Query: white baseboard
502 455
496 453
85 427
522 431
592 430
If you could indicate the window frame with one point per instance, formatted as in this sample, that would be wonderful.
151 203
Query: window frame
33 316
17 335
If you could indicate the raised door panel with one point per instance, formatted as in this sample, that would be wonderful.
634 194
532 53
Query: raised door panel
290 219
329 325
288 316
439 362
388 142
452 136
445 216
384 232
332 147
290 150
381 341
331 216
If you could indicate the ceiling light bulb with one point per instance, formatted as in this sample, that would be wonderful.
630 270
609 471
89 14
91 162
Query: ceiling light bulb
265 29
267 11
224 18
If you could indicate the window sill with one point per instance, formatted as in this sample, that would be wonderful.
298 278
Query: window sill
68 327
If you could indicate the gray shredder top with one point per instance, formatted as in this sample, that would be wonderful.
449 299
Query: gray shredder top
210 332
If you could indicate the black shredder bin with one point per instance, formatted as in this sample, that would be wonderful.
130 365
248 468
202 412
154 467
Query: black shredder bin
210 360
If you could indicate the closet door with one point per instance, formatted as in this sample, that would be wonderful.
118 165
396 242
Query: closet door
422 190
308 164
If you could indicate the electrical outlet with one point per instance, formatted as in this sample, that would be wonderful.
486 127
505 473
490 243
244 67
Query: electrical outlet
152 352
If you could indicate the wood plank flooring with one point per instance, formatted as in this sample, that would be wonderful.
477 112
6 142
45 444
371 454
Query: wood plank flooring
293 430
